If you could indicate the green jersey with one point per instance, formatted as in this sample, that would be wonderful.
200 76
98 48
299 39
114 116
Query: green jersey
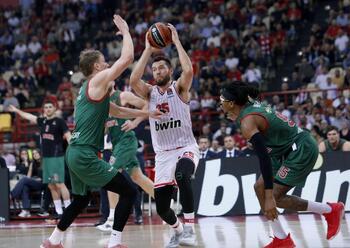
115 124
90 117
281 133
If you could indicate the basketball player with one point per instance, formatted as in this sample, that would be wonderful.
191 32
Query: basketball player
91 112
52 132
286 154
125 144
334 142
176 149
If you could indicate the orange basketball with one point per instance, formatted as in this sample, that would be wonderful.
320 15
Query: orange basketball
159 35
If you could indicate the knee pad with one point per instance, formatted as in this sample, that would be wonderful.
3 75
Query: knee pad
184 169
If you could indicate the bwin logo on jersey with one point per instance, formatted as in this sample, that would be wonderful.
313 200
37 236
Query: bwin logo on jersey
169 124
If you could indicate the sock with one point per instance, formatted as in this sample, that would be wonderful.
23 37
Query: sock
317 207
115 239
189 219
278 230
178 227
66 203
56 237
58 206
111 214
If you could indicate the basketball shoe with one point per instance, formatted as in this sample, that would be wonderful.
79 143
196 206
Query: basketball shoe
47 244
334 219
281 243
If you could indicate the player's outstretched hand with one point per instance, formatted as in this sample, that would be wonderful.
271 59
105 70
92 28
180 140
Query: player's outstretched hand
156 114
270 210
121 24
128 126
12 108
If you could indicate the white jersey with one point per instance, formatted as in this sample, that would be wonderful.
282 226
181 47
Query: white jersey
174 129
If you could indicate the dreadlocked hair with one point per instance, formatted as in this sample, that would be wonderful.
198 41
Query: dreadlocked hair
240 92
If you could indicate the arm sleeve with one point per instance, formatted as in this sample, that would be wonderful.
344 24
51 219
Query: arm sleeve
258 142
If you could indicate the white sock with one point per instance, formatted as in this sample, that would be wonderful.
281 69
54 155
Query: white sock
178 227
115 239
317 207
66 203
277 229
111 214
56 237
189 219
58 206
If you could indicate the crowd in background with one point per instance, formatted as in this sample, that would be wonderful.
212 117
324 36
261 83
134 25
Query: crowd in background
227 40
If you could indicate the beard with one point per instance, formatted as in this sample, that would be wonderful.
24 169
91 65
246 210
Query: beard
164 81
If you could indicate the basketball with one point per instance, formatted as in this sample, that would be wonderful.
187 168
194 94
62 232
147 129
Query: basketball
159 35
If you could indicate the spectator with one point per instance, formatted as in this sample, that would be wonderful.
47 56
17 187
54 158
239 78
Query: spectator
341 42
229 151
345 131
215 147
28 183
10 100
204 144
252 74
334 142
20 51
16 79
222 132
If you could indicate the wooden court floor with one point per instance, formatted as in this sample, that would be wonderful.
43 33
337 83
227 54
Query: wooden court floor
307 230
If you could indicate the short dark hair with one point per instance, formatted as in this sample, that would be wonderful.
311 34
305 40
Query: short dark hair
203 137
162 58
331 128
87 59
49 102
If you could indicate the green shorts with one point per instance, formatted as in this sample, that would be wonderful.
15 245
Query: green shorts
87 171
298 164
124 155
53 169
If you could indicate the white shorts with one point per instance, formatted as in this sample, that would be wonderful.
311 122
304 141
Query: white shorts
166 161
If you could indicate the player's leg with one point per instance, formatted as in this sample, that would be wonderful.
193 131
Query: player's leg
64 193
71 212
143 181
108 224
59 167
162 196
297 166
185 168
122 185
56 197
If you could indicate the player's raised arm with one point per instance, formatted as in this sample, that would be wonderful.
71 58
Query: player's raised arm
184 83
104 77
25 115
137 84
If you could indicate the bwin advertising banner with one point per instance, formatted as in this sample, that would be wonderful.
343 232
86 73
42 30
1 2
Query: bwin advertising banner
226 186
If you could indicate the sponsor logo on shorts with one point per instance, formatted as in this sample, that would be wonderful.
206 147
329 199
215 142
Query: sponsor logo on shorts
112 160
283 172
75 135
